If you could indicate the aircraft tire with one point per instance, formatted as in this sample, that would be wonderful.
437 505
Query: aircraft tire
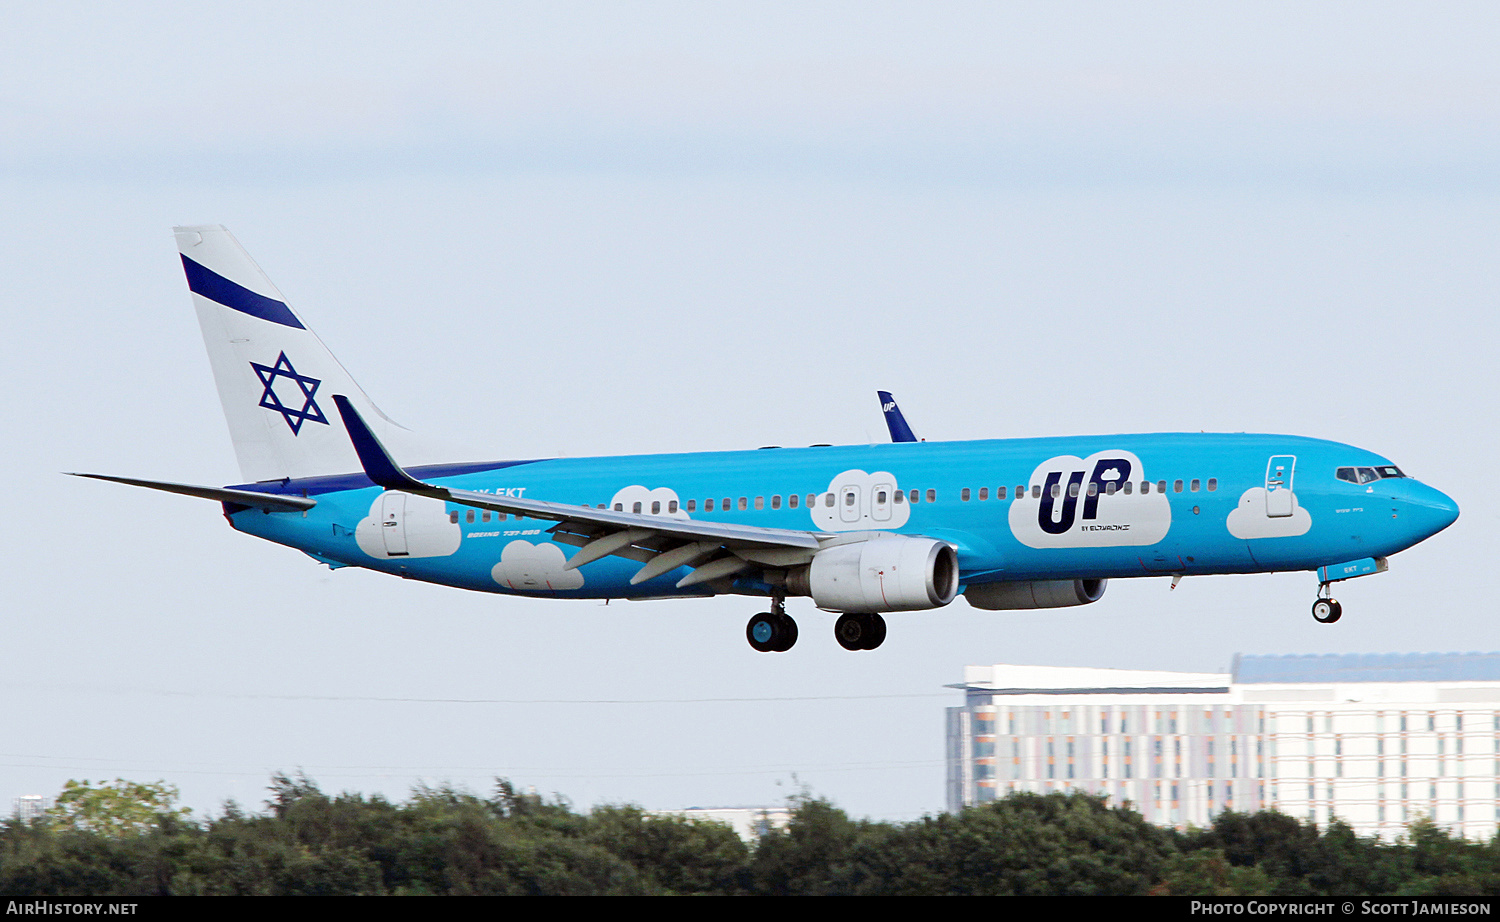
771 633
1327 611
851 632
762 632
787 634
876 635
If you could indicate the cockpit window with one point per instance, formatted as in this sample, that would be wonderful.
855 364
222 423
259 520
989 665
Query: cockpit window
1363 475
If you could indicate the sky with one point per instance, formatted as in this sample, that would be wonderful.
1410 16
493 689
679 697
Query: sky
574 229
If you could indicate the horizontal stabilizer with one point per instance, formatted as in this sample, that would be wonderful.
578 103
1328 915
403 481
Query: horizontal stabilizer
268 501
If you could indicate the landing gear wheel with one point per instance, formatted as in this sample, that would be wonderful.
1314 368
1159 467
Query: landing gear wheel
850 631
787 629
1327 611
859 632
769 632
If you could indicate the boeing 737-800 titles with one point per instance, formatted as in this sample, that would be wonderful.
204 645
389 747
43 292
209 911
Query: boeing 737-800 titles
862 529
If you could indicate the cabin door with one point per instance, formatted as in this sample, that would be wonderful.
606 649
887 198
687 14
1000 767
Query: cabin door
393 523
1279 485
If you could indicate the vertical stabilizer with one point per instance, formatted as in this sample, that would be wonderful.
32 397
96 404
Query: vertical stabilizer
276 379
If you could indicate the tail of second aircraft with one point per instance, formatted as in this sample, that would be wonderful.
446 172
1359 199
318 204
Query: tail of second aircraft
276 379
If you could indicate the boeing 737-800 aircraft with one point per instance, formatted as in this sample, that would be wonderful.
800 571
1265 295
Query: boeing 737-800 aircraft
862 529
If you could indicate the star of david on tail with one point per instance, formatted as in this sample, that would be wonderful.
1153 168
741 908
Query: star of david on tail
271 401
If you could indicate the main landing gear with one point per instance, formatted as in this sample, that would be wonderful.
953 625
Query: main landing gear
859 632
772 631
1326 610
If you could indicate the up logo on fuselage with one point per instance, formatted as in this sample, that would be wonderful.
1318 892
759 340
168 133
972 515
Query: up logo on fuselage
1089 502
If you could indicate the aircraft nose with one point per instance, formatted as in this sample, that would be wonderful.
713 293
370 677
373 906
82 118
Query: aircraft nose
1432 509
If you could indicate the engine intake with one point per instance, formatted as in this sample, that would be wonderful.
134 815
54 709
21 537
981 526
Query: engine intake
1038 593
886 573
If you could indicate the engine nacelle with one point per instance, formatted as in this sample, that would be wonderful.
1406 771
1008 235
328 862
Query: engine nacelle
886 573
1039 593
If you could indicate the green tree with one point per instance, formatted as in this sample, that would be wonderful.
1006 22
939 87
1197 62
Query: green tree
117 808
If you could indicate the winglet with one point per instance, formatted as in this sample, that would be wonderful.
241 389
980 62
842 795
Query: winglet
900 431
377 462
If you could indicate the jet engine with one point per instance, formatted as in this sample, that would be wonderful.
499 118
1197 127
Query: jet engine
1037 593
886 573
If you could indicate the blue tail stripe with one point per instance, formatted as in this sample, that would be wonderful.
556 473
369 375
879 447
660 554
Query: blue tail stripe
216 288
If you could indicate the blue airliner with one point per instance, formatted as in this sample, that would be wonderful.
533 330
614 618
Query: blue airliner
862 529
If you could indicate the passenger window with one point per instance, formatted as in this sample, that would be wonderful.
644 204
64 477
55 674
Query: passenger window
828 500
708 505
1213 484
1161 486
999 493
453 517
744 504
880 497
791 501
1056 490
776 501
1093 489
636 508
916 497
1109 488
692 505
1072 489
900 497
469 516
1126 486
1036 491
619 507
727 505
964 495
932 496
849 498
760 502
484 516
1176 486
656 507
1193 487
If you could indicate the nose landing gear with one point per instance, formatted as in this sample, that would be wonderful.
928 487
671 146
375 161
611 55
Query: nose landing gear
1326 610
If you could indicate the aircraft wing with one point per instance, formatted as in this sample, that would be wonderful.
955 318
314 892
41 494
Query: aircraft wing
715 549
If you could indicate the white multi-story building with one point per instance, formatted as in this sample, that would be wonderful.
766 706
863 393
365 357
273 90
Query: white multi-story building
28 807
1376 740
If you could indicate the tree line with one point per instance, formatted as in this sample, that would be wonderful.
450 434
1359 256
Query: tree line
128 839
